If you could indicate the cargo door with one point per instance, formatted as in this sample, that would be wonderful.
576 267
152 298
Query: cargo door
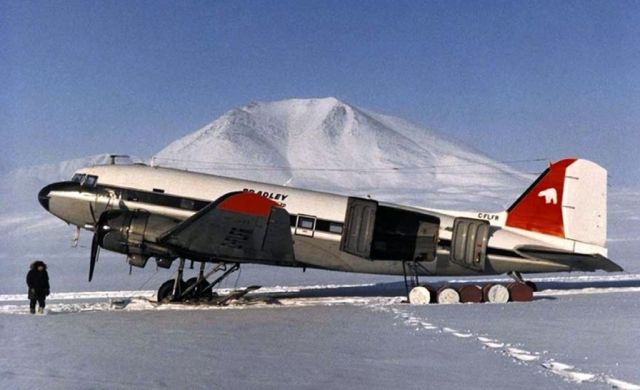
358 228
469 243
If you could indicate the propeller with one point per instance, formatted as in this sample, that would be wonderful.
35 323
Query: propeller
100 228
95 251
95 248
97 232
93 214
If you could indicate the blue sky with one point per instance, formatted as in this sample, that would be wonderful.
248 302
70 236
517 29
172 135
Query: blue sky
515 79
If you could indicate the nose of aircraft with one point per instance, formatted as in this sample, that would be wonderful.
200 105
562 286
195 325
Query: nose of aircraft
45 194
43 197
68 201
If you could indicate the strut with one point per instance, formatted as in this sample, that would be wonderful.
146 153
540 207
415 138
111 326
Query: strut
227 272
197 288
411 272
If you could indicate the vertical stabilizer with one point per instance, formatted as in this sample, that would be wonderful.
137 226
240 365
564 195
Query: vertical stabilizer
569 200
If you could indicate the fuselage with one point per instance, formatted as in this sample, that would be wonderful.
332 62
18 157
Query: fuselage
317 218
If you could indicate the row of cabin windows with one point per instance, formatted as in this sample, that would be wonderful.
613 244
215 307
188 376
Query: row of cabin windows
158 197
304 222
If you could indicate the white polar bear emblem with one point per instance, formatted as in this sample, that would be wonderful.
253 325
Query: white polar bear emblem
550 195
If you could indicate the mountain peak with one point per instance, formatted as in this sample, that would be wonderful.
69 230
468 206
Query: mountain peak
327 144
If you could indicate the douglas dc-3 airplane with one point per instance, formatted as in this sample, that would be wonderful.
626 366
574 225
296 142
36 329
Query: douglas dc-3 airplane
559 224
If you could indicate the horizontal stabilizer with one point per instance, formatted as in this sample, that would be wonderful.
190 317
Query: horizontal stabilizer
576 261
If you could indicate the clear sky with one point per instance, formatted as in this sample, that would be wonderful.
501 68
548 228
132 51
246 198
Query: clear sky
520 79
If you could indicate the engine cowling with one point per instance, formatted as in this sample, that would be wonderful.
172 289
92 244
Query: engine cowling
135 233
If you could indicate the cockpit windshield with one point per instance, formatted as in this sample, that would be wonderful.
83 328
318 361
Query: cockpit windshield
78 177
90 181
85 180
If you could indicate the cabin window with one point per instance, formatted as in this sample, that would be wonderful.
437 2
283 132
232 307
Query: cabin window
305 223
132 195
335 228
187 204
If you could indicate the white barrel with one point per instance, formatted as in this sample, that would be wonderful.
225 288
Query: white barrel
497 293
419 295
448 295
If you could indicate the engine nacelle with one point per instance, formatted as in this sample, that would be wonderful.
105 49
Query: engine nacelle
134 233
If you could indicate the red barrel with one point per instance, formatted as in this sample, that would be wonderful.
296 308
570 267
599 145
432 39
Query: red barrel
470 294
520 292
434 293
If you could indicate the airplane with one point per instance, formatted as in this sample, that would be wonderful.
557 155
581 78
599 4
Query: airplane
558 224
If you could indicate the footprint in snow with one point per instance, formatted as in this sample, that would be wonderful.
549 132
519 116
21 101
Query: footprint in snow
523 356
564 370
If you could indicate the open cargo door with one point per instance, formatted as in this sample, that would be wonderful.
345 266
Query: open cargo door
383 232
469 243
359 223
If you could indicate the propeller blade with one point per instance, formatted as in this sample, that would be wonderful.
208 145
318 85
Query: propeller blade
95 249
93 214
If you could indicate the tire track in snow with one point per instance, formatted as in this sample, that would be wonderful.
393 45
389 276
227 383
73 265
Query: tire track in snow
565 371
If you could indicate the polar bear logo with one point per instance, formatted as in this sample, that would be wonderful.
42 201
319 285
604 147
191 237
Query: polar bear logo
550 195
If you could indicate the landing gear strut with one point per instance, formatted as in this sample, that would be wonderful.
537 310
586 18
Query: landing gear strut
197 288
172 288
517 276
411 270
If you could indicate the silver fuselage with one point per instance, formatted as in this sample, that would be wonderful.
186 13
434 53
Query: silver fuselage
179 194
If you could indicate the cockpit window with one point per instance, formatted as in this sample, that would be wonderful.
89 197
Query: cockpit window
78 178
90 181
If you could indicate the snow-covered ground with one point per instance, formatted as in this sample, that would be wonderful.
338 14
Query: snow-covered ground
354 336
317 329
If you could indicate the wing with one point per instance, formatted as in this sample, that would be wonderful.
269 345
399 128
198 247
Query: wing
238 226
576 261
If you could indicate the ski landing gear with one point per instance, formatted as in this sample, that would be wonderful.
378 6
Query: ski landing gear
198 289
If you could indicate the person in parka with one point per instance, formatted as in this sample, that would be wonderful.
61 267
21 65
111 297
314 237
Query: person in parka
38 283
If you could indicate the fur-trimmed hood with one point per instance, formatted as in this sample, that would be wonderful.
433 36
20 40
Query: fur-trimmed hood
37 264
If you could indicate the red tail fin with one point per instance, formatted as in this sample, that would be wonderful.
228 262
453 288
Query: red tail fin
539 209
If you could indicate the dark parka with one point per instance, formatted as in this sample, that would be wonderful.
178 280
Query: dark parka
38 281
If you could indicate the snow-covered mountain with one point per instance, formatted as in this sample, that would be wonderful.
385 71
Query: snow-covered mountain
330 145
